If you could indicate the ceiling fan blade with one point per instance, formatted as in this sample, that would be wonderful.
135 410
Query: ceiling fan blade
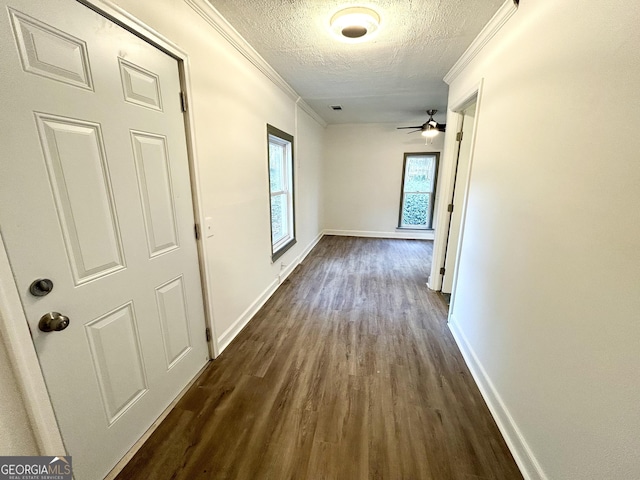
419 130
442 127
418 126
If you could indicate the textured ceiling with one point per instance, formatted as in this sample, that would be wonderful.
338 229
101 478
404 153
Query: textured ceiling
393 78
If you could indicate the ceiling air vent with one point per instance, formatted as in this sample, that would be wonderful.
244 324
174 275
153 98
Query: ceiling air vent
336 107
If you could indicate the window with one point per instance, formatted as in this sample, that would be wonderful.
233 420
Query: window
283 235
419 175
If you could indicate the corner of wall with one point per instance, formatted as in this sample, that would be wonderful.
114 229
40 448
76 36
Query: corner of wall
236 327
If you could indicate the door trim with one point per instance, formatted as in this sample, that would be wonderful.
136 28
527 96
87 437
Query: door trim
20 349
454 121
24 362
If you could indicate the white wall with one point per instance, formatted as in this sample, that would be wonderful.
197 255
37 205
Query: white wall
548 291
309 156
233 101
363 176
16 437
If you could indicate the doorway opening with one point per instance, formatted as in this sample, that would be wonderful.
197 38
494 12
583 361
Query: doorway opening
460 183
457 167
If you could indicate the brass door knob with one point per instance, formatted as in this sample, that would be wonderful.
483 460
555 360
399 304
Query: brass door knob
53 322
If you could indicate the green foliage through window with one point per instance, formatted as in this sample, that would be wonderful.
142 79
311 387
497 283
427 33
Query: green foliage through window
414 210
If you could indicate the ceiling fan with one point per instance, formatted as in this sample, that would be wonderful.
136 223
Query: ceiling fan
430 128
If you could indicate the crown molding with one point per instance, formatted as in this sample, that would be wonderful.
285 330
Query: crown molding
231 35
311 112
503 14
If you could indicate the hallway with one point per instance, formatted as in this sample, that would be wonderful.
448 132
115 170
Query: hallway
348 372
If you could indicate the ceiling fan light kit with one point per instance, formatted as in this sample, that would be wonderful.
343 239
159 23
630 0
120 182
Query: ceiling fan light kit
355 24
430 132
430 128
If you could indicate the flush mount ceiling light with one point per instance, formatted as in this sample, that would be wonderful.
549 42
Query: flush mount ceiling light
354 24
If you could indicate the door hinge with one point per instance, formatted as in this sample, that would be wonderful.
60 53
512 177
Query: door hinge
196 227
450 208
183 101
442 271
207 333
459 136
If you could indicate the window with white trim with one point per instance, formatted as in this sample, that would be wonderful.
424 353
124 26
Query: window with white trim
419 176
283 230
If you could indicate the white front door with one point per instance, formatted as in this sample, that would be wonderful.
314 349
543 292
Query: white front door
95 196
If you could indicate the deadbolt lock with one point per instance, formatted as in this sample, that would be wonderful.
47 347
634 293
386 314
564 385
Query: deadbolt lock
41 287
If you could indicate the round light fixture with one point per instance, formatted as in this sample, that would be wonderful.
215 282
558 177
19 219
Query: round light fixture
355 23
430 132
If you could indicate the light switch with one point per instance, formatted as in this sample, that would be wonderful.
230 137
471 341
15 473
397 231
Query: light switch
208 223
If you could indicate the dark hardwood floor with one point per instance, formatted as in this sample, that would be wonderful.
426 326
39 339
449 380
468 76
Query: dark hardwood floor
348 372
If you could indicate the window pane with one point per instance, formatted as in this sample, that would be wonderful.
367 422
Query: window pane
279 224
276 157
280 164
419 174
415 209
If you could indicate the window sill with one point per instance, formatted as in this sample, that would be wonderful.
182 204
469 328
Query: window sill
417 229
282 250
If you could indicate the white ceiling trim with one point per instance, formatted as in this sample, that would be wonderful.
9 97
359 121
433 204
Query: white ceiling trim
488 32
231 35
312 113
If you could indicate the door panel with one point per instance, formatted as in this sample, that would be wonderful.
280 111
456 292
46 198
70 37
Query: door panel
156 191
140 86
80 181
52 53
172 307
95 195
117 356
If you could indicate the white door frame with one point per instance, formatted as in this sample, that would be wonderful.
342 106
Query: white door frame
13 321
454 121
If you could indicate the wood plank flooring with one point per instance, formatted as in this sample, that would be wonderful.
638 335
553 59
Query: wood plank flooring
348 372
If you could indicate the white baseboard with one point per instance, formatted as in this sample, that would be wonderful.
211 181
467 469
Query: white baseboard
288 269
406 235
524 457
230 333
311 246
